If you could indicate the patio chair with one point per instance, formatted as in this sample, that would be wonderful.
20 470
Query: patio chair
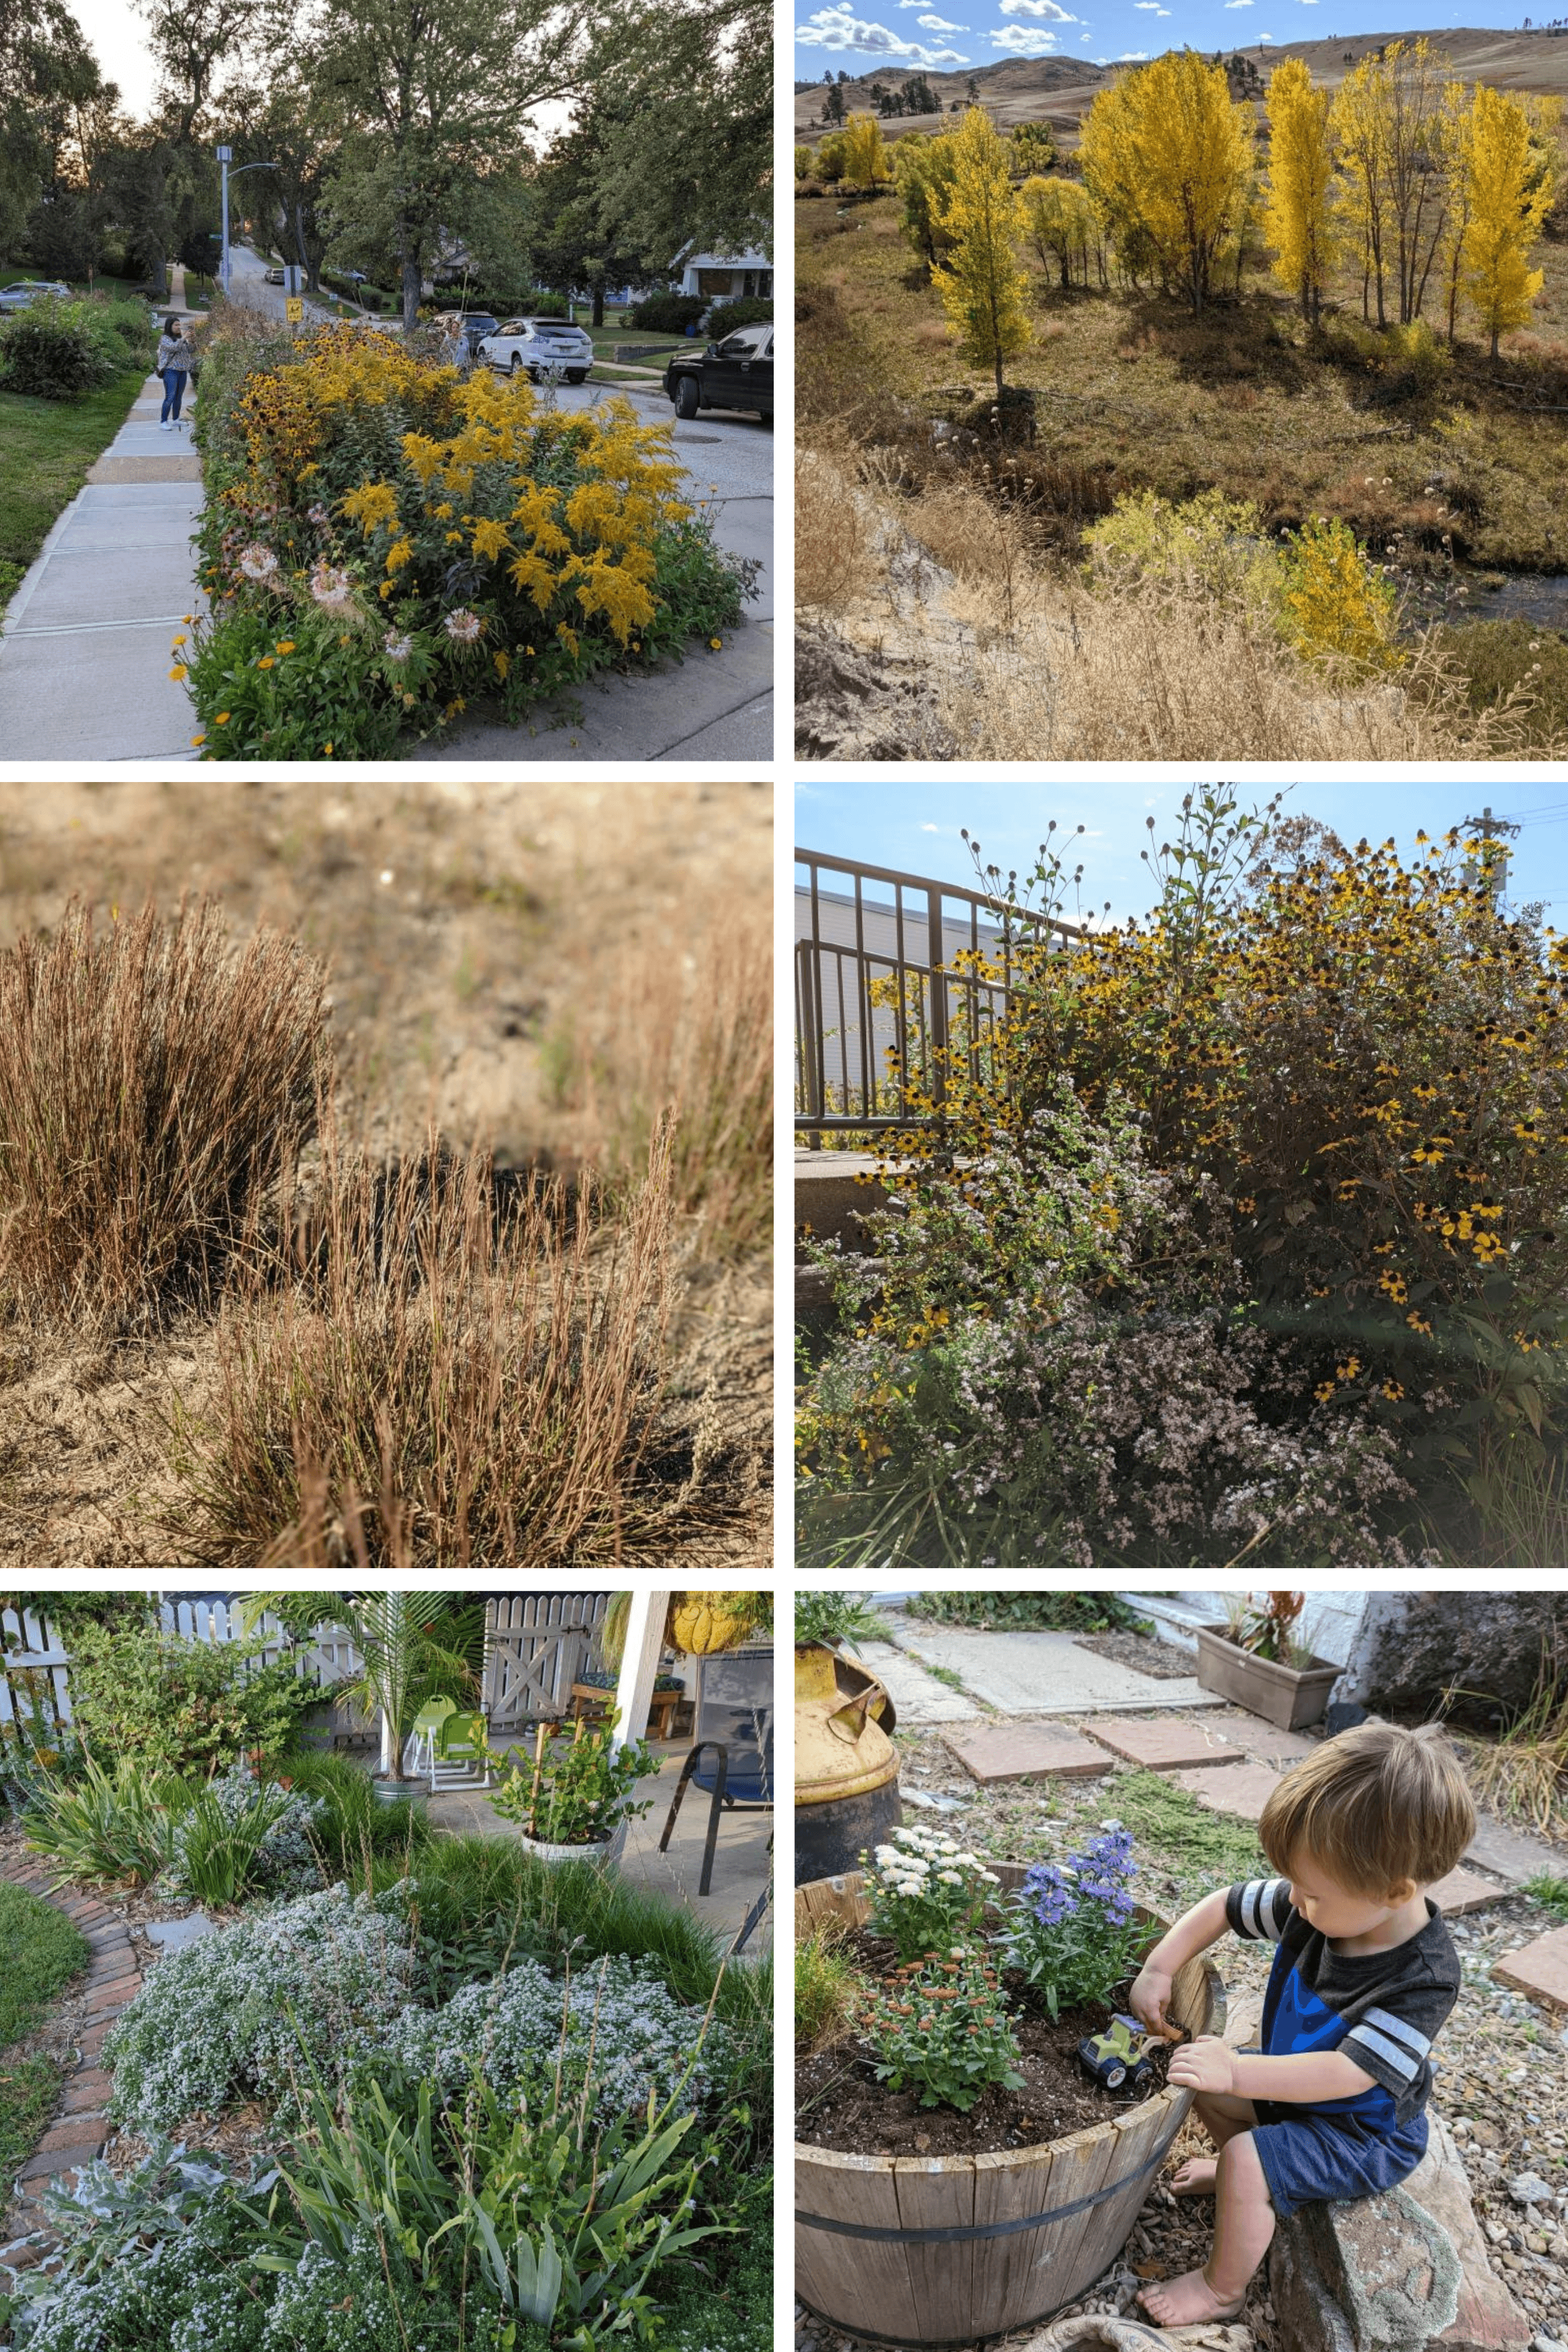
735 1731
462 1758
419 1748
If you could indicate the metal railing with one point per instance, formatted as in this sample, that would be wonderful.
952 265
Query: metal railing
892 994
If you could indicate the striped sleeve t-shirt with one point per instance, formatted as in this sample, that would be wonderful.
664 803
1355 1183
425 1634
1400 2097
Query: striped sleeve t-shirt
1383 2010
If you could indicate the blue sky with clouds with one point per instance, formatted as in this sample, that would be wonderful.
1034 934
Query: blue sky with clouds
915 827
951 34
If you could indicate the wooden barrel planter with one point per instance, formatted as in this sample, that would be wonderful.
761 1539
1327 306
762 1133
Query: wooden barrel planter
954 2249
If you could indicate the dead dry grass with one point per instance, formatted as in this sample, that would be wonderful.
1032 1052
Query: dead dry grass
468 929
836 559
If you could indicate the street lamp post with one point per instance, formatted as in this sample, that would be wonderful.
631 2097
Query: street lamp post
225 156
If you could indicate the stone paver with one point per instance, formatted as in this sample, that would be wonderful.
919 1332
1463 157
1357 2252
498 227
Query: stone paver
1007 1752
1164 1744
1240 1789
1463 1891
173 1934
1264 1740
1539 1969
1508 1853
918 1696
1037 1674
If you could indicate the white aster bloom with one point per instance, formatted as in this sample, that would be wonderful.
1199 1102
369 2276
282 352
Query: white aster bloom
258 562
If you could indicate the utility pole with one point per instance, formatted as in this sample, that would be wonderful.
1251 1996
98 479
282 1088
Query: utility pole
1494 860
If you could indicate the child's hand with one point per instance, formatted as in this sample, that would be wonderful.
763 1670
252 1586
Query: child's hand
1206 2065
1151 1991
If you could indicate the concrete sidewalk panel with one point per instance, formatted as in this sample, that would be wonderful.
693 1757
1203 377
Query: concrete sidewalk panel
649 717
1036 1674
87 584
134 709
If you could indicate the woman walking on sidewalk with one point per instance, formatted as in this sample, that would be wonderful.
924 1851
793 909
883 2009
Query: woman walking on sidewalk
174 361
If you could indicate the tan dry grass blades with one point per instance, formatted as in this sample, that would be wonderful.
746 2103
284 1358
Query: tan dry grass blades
424 1375
836 559
154 1081
684 1033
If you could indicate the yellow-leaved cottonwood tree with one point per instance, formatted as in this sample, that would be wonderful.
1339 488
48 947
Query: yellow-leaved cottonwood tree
865 157
1167 150
1064 225
1509 187
982 283
1391 119
1298 219
923 172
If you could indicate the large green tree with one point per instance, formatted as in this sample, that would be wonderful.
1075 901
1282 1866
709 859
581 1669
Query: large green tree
687 157
45 68
575 247
436 101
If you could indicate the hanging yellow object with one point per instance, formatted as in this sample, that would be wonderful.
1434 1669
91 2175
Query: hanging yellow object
703 1622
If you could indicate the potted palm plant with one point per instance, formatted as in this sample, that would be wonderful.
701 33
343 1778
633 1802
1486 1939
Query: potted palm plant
571 1802
413 1646
1258 1659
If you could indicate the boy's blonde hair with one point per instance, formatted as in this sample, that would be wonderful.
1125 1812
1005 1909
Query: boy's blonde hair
1374 1806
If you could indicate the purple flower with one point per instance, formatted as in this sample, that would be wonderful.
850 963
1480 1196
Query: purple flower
1049 1895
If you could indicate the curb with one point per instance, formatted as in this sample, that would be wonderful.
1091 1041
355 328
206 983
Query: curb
78 2130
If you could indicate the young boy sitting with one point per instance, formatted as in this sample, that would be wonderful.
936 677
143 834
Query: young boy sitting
1333 2105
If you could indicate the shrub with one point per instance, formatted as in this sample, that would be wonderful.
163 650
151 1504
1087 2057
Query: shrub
1212 543
724 317
667 314
179 1705
458 1381
194 1068
1337 602
242 2013
577 1793
236 1833
611 2040
52 351
452 537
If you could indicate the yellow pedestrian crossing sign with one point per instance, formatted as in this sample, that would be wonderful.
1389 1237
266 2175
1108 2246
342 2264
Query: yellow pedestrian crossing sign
295 309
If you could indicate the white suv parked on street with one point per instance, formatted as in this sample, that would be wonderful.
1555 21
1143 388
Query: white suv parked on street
536 344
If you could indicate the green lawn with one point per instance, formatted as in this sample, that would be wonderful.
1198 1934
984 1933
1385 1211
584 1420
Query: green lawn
43 1952
46 448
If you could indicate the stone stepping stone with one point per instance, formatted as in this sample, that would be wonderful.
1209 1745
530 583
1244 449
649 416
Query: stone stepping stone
173 1934
1508 1855
1163 1743
1540 1970
1013 1751
1240 1789
1463 1891
1264 1740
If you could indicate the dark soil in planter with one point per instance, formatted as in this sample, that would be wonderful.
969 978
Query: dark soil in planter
839 2103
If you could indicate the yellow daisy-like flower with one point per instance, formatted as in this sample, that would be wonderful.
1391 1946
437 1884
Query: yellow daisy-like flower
178 641
179 671
718 644
287 645
326 751
1393 1390
222 718
1324 1391
266 662
197 742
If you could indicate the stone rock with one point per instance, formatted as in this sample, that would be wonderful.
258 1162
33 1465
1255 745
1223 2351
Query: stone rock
173 1934
1487 2319
855 705
1411 1648
1529 2189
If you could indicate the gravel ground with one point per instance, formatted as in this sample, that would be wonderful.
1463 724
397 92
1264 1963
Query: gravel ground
1502 2082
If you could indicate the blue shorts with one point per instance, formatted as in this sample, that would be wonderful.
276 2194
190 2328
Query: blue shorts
1309 2157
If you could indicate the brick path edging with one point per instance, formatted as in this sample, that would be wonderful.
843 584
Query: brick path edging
80 2127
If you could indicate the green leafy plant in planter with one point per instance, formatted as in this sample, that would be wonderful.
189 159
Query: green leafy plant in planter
1071 1929
1268 1629
926 1892
576 1795
939 2030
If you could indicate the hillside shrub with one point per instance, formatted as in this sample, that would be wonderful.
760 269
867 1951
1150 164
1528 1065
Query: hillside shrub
181 1706
667 314
454 537
1336 602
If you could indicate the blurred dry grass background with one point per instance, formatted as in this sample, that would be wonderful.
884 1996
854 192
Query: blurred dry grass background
461 1351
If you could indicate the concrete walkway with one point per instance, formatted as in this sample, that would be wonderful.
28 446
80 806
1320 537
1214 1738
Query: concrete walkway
1013 1674
84 645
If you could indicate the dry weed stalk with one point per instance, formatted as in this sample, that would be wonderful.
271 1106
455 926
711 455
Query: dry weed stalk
686 1035
153 1083
836 559
422 1374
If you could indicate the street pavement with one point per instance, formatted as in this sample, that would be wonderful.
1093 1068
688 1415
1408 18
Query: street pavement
84 645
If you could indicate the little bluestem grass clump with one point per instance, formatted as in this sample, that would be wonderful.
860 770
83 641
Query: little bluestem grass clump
926 1892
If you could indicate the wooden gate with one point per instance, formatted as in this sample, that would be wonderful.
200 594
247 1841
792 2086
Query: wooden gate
33 1661
535 1647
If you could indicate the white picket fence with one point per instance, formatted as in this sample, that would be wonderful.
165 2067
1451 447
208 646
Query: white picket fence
535 1644
33 1661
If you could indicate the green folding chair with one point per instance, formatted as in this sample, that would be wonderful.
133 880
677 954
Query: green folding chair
419 1748
461 1752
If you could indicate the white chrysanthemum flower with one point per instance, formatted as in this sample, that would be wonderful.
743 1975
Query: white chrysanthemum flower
989 1878
258 562
951 1878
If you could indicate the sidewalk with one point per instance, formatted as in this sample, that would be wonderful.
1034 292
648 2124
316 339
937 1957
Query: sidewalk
84 645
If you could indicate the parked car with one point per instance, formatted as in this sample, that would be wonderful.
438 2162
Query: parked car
472 325
539 343
27 290
273 278
736 373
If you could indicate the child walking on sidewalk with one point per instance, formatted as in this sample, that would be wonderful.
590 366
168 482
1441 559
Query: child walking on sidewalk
1334 2104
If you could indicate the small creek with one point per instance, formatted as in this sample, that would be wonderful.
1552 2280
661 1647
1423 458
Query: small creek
1537 596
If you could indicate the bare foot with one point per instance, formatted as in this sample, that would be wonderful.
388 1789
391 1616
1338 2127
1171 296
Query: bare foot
1186 2302
1195 2177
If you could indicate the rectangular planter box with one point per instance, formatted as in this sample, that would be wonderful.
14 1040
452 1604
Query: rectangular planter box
1287 1697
